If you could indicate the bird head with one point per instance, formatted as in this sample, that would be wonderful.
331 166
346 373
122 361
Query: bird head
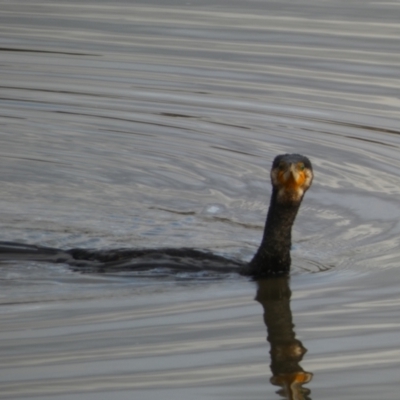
291 176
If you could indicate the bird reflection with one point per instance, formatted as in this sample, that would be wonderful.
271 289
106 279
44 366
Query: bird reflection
286 351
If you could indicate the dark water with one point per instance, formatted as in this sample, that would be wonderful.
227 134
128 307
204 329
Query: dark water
146 124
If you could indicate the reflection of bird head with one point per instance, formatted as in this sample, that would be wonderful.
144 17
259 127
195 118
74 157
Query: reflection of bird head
291 176
291 385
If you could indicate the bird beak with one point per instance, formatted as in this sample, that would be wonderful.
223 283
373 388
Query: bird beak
293 178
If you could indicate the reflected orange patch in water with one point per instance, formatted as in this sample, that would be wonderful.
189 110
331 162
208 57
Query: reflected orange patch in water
291 378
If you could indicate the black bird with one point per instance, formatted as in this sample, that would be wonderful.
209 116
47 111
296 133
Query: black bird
291 176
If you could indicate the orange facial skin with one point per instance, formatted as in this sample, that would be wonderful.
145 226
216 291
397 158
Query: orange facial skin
292 177
291 180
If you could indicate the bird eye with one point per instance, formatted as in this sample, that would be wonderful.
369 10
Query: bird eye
301 167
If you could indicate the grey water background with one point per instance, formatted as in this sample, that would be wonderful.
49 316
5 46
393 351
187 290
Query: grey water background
150 124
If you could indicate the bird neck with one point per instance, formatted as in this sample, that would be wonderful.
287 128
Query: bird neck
273 255
280 219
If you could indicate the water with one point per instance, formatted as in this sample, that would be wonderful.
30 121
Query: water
146 125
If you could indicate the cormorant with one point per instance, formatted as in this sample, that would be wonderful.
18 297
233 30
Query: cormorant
291 177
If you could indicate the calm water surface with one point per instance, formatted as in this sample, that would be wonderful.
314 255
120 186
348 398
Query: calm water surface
142 124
